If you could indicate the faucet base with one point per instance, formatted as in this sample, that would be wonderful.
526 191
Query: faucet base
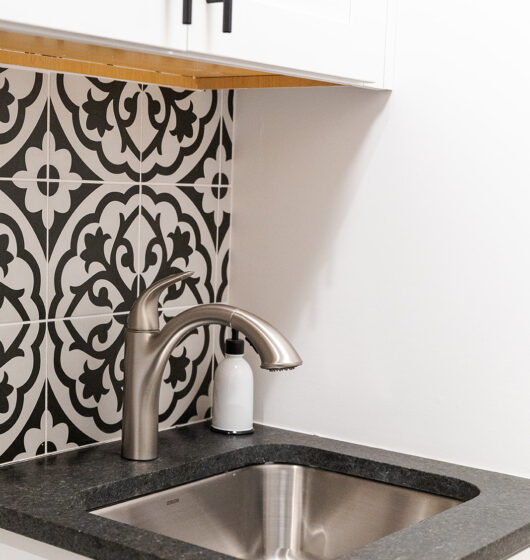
140 460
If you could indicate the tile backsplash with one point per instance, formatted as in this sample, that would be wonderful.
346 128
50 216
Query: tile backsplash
105 187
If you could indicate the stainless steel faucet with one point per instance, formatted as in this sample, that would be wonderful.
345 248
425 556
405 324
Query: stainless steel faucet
147 350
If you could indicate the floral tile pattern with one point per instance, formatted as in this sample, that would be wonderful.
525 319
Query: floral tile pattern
22 379
227 136
22 253
48 436
23 123
105 187
177 233
98 120
180 136
187 377
93 255
85 377
224 217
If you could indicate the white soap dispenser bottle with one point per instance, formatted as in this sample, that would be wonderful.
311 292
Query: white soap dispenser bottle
233 391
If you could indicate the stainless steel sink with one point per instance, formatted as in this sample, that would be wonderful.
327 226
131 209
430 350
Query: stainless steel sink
279 511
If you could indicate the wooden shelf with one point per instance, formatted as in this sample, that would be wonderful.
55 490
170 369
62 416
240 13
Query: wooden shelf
80 58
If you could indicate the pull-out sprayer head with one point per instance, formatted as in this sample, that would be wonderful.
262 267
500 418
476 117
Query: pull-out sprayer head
275 351
270 368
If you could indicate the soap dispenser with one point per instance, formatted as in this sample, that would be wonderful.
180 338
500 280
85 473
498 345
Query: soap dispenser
233 391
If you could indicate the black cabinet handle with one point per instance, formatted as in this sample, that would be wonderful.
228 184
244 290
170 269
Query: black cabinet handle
186 12
227 14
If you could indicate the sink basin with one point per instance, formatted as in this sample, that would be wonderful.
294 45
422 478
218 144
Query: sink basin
279 511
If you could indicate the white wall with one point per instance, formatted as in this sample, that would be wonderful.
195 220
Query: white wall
389 237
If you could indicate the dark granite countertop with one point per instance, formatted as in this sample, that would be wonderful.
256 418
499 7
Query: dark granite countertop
48 499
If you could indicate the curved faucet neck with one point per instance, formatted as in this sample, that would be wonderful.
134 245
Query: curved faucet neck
180 325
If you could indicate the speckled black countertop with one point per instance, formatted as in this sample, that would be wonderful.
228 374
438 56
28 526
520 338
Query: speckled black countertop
48 499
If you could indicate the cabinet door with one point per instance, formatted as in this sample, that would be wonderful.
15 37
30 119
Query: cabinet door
17 547
310 38
156 23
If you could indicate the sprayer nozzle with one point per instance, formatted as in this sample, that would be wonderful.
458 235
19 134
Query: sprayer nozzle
275 369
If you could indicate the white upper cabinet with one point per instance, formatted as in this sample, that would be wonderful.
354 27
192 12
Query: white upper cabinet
338 41
154 23
343 41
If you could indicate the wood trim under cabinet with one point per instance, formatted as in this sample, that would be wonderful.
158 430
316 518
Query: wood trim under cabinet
79 58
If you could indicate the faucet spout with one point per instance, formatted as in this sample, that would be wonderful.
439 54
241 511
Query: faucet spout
147 352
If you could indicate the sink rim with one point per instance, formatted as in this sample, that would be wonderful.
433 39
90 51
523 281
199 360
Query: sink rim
354 498
98 497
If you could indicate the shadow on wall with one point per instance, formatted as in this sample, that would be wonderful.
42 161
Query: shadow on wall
299 161
299 164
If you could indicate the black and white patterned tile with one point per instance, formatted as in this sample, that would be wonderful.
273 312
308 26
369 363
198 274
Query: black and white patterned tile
79 238
22 252
49 436
181 133
226 149
93 250
85 379
22 388
98 121
185 395
23 123
224 219
178 233
35 192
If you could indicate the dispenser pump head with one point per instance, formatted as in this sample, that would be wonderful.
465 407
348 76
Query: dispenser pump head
234 346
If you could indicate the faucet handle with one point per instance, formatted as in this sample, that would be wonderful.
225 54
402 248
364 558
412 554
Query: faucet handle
144 312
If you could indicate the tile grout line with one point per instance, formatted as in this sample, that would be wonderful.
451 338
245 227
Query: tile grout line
69 318
216 332
47 298
219 184
153 184
140 198
232 182
84 317
231 209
